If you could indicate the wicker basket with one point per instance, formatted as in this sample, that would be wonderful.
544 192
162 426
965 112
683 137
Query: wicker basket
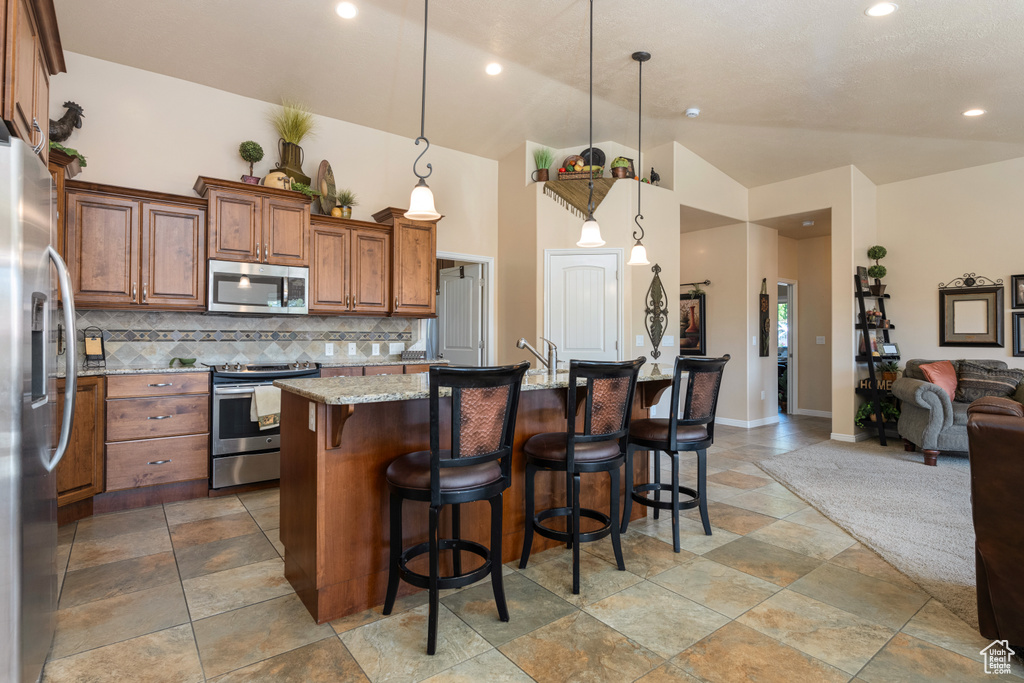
581 175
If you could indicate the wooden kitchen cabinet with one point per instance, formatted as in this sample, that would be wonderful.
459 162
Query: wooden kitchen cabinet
127 248
80 471
31 53
413 264
350 267
256 224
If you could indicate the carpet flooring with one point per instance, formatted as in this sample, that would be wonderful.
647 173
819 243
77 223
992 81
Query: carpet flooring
918 518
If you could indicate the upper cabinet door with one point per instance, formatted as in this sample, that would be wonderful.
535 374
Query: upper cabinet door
414 263
102 249
173 256
371 271
329 271
20 71
235 230
286 231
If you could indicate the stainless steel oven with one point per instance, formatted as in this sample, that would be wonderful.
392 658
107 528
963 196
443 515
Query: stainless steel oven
256 288
241 453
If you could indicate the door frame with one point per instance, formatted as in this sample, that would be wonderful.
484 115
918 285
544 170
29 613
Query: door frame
620 286
792 381
488 271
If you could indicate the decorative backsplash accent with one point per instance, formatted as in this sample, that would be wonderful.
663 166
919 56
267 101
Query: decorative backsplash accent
135 339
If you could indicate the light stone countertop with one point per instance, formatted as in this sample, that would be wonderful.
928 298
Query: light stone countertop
199 367
383 388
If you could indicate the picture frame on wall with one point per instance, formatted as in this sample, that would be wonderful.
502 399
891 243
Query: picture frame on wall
971 316
692 325
1017 291
862 280
1018 334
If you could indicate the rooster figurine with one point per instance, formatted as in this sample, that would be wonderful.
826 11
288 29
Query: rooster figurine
61 129
655 178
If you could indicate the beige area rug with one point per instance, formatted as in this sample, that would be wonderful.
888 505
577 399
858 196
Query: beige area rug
918 518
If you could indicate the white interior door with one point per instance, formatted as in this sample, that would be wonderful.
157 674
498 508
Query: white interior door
460 315
583 308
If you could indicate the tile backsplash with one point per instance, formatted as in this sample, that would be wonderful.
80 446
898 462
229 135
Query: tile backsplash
138 339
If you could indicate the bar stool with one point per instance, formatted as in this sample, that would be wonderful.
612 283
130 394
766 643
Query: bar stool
599 448
695 432
478 466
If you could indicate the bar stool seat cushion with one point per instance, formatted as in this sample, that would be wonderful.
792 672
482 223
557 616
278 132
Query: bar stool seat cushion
656 429
551 446
412 471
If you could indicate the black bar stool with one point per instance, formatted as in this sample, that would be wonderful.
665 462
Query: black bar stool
599 448
695 432
484 402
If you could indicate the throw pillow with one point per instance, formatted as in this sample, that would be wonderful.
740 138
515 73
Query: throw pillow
942 373
1018 395
976 381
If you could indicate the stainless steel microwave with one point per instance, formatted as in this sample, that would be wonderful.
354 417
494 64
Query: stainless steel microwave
256 288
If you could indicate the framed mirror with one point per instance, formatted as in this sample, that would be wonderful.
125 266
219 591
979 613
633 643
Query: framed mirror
971 316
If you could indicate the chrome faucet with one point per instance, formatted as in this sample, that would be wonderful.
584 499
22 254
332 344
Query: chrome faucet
551 362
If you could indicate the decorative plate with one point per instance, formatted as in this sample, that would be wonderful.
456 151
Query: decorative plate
326 187
593 157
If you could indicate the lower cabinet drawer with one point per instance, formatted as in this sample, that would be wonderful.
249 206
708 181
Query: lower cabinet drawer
146 418
131 464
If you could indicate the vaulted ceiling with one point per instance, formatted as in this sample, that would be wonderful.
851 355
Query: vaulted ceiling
785 87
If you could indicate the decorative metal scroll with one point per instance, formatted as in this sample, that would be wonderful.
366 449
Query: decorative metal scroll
656 312
765 321
970 280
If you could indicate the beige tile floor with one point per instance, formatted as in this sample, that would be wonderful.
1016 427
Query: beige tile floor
195 591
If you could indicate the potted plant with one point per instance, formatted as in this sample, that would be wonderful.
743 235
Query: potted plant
542 158
252 152
877 271
890 369
346 200
866 413
293 123
620 167
305 189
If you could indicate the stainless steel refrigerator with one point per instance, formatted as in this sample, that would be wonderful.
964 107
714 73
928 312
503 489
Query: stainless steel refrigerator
29 268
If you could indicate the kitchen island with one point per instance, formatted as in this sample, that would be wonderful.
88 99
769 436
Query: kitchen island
338 436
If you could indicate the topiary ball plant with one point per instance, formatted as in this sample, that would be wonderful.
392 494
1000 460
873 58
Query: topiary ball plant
250 151
877 271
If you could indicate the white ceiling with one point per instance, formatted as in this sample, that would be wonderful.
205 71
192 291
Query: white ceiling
786 87
792 226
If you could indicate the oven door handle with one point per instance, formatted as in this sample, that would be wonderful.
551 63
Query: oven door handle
232 391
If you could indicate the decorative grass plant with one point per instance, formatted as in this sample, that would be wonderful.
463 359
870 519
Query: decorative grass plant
346 198
293 121
543 157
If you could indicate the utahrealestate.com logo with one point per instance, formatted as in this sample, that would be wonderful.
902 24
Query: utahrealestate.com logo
997 657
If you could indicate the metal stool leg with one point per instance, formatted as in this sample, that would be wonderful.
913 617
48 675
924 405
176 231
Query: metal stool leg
497 583
627 510
395 552
435 572
575 503
702 471
657 479
614 518
675 501
456 534
531 470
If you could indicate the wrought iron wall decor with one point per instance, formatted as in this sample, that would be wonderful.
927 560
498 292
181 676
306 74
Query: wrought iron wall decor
971 311
656 312
765 322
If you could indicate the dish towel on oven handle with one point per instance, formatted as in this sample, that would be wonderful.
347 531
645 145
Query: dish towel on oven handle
266 407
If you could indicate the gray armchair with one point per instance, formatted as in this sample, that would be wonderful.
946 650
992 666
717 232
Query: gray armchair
929 420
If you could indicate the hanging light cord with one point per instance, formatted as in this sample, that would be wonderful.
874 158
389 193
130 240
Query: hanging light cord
423 101
590 151
639 153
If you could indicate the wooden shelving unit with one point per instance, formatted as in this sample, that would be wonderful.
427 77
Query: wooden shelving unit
874 393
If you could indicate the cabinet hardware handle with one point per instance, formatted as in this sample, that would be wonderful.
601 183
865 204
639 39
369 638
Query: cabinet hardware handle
158 462
257 251
158 417
42 138
396 303
348 297
145 288
264 252
134 291
163 384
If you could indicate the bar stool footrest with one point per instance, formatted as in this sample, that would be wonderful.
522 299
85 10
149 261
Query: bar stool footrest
564 537
445 582
640 489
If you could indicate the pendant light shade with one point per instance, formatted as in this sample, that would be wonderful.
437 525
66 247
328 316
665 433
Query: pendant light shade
638 257
421 202
590 235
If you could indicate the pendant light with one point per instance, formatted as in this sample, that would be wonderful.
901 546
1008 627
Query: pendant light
638 257
421 202
590 235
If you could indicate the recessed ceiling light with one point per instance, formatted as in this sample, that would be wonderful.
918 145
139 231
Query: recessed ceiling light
808 224
493 69
346 10
882 9
692 113
974 112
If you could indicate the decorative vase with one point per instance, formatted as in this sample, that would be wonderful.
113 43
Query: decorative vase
540 175
291 161
346 212
877 289
620 172
251 179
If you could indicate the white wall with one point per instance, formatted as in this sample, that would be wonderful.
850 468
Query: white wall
153 132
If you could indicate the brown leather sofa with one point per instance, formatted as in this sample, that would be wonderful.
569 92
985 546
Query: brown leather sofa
995 432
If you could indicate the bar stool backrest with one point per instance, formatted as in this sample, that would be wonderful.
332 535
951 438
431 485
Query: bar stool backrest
609 401
484 402
702 387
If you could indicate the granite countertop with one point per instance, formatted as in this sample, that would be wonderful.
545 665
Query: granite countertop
199 367
380 361
382 388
